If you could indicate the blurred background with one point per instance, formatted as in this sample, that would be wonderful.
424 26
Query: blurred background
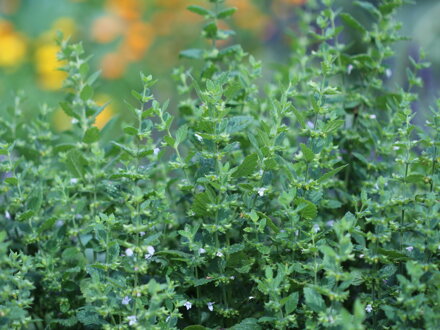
128 36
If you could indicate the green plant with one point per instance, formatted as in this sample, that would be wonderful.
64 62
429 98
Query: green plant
306 201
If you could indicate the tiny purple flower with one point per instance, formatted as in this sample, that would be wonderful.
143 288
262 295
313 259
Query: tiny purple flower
126 300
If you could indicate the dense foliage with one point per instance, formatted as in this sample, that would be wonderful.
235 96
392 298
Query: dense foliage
308 199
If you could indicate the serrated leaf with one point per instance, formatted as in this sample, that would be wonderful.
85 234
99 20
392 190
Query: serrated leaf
200 204
247 167
308 210
247 324
332 126
91 135
307 152
314 300
181 134
76 162
291 302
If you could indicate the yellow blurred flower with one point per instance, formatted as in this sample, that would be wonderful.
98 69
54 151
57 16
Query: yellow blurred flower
61 120
12 46
66 25
107 113
47 65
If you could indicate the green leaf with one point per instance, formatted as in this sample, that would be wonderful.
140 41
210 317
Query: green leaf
299 116
332 126
86 93
226 12
200 204
25 215
68 110
194 53
247 324
291 302
91 135
11 180
307 152
199 10
210 30
247 167
331 173
169 140
181 134
76 162
308 210
368 7
314 300
130 130
352 22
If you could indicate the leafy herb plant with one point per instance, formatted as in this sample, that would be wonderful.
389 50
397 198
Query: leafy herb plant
306 200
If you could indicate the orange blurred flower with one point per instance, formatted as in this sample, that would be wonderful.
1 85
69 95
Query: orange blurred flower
138 39
9 7
113 65
127 9
248 16
106 28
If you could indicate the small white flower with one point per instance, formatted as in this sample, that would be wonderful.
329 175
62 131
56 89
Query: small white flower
232 277
142 233
168 318
251 297
296 232
261 172
198 137
211 306
349 68
188 305
75 121
136 268
150 250
128 252
361 256
331 319
396 148
261 191
138 294
59 223
202 250
7 215
132 320
219 254
369 308
316 228
156 151
376 186
409 248
310 125
330 223
372 116
388 73
73 180
126 300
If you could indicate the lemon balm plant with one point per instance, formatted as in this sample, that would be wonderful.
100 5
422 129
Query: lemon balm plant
306 200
